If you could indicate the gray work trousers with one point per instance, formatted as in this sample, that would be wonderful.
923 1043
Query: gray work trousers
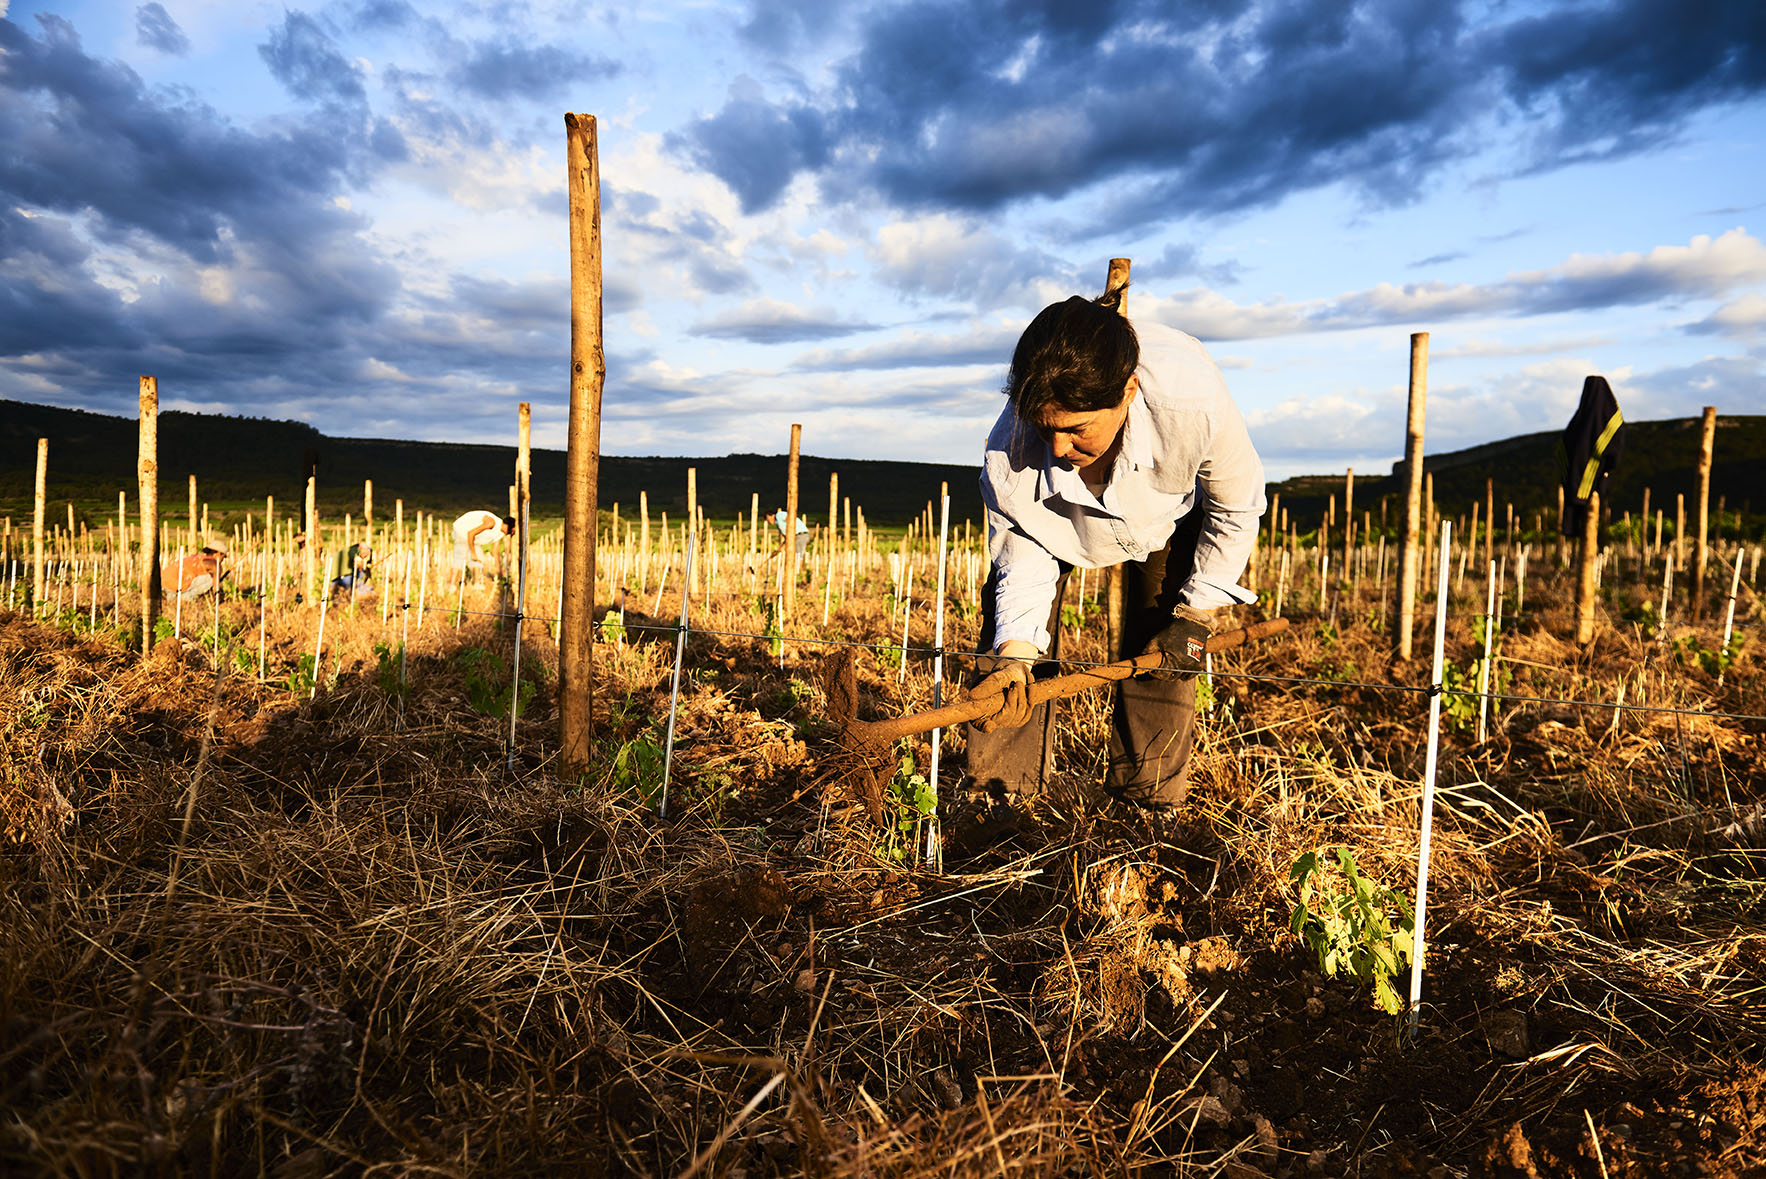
1152 725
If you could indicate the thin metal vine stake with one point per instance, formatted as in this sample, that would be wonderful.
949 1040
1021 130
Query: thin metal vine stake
674 695
1484 668
520 608
934 844
1428 818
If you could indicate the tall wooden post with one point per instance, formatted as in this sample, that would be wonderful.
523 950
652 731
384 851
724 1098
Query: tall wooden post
693 529
1590 550
368 513
1408 540
1348 516
147 475
523 500
310 574
1115 279
195 545
588 375
791 520
1707 443
39 576
833 520
1489 521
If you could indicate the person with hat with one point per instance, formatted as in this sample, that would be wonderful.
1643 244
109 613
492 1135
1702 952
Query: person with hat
197 574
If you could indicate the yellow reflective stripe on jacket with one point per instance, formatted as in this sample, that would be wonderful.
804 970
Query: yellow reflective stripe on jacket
1586 487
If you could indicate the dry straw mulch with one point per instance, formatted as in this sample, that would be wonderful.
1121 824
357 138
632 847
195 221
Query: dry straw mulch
246 932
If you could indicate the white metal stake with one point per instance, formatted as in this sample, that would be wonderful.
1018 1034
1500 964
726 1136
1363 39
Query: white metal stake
319 647
907 613
1729 618
1428 817
405 622
1484 668
178 610
264 567
933 843
674 695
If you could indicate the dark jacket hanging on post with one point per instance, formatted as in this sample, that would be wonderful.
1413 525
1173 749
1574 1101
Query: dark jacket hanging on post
1593 443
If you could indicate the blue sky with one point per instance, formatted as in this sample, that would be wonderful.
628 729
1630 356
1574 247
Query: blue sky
843 214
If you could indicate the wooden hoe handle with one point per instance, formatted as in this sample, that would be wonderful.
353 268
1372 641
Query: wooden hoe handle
976 708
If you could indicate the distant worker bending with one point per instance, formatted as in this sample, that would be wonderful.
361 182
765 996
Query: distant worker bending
779 518
197 574
474 533
352 571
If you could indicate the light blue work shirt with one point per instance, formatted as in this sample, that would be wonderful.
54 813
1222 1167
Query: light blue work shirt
1184 448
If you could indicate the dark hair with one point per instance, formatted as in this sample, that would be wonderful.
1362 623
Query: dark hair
509 523
1076 355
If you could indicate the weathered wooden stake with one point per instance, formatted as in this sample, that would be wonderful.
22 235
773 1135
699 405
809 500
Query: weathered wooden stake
1116 278
588 374
790 559
1590 550
1707 441
1413 504
39 586
147 473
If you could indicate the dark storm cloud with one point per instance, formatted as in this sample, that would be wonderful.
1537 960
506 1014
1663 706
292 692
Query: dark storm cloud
508 69
234 255
85 135
303 57
384 14
155 28
1222 106
756 147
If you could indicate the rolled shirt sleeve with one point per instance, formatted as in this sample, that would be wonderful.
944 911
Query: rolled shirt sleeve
1231 477
1025 575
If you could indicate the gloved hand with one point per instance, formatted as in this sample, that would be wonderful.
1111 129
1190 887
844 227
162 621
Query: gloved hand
1011 679
1183 642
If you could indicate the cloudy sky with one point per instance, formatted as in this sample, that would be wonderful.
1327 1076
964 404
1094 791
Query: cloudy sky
842 214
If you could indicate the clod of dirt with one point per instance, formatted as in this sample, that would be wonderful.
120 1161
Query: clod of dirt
1206 1109
1267 1145
1507 1033
1118 893
720 911
1509 1155
1213 955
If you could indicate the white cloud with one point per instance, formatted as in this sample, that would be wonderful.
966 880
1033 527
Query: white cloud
1743 317
1704 268
951 257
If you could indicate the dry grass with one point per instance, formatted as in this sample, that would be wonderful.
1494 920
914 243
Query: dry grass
248 933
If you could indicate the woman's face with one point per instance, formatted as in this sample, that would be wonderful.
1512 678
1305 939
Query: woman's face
1084 438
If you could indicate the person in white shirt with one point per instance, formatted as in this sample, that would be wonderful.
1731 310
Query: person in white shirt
1118 444
476 531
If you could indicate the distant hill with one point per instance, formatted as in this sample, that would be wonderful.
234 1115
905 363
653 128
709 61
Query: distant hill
1662 456
240 460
